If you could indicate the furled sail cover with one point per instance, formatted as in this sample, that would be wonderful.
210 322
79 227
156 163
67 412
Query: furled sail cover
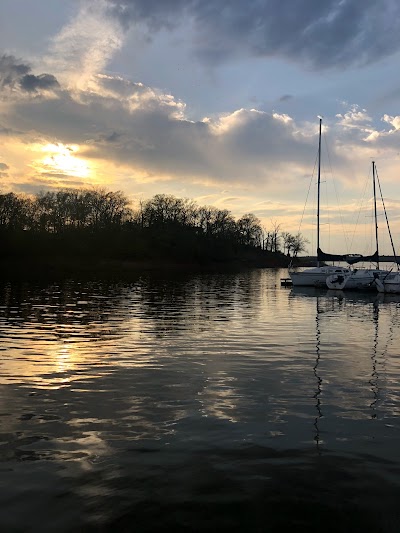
351 259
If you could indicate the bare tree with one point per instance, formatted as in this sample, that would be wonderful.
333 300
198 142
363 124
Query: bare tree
299 244
249 229
274 236
287 239
14 211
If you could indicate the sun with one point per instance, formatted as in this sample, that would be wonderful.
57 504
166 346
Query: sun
62 158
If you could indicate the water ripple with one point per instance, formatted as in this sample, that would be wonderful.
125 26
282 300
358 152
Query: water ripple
201 365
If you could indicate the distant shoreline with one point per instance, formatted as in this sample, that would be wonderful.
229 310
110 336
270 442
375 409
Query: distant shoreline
33 268
26 268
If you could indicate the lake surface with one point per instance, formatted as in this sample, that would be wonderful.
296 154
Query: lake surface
210 402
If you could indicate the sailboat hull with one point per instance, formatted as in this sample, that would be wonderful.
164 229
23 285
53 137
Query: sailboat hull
361 279
390 284
316 277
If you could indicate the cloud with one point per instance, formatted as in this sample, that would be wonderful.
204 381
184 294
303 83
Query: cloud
324 34
147 132
7 131
156 14
387 139
3 168
11 71
16 76
393 121
228 148
354 117
285 98
85 45
32 83
40 184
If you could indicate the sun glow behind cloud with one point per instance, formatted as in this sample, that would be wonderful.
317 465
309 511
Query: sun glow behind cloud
58 162
61 159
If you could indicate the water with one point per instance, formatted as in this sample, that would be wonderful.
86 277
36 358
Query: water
197 402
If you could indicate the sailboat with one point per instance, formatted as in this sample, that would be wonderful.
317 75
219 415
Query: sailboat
362 278
390 283
316 276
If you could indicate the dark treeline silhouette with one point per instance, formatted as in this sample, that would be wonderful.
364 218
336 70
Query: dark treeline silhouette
276 240
99 224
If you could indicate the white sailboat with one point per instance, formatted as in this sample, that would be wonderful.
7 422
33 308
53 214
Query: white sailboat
390 284
362 278
316 276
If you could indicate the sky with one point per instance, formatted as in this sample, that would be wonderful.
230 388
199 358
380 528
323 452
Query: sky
213 100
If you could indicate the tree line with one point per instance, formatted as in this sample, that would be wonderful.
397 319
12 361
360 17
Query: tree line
277 240
101 222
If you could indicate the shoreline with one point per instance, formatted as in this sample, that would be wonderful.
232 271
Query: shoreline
28 268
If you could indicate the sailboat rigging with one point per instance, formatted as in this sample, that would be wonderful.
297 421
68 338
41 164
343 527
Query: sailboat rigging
316 276
391 282
363 278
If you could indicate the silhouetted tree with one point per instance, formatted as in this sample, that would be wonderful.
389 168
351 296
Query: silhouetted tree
249 230
287 239
166 209
274 236
14 211
100 223
72 208
298 244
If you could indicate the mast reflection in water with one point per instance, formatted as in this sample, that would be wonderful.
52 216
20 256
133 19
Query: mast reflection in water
212 401
318 378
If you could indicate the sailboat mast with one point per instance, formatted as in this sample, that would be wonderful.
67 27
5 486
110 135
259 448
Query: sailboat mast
319 183
375 214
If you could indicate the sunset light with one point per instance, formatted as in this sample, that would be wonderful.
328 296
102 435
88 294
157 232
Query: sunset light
61 158
200 266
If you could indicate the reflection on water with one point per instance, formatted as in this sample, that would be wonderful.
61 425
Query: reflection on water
317 376
374 358
124 404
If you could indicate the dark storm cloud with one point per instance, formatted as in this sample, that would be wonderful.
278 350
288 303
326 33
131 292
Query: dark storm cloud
329 33
14 74
32 83
11 71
